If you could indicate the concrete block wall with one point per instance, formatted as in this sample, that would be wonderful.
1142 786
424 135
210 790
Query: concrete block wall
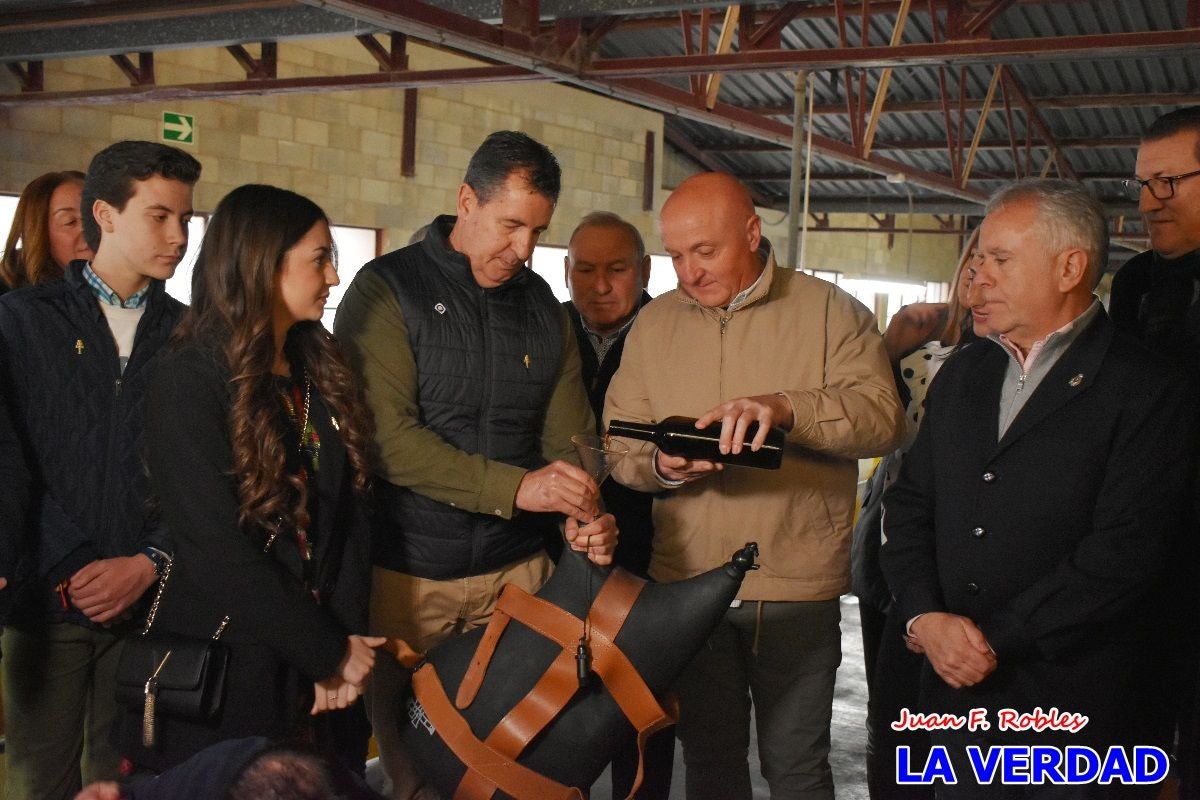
867 255
344 148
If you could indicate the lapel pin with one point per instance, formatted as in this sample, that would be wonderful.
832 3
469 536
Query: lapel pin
440 308
1075 380
527 362
79 347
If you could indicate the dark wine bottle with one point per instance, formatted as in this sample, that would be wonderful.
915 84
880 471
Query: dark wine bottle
679 436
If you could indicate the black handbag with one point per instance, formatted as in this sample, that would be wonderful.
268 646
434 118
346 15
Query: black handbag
170 674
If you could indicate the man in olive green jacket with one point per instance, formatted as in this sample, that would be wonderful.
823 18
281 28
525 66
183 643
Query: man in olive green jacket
739 342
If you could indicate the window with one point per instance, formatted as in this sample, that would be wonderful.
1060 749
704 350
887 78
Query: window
8 210
355 247
829 277
179 285
886 297
662 275
547 261
937 291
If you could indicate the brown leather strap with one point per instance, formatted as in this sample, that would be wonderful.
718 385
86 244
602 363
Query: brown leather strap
608 614
549 696
615 600
498 771
403 653
537 709
543 703
530 716
494 765
473 679
556 624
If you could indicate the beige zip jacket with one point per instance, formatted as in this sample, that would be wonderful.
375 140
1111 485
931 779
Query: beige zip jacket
794 334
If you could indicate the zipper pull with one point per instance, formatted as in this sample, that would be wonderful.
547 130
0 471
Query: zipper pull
118 385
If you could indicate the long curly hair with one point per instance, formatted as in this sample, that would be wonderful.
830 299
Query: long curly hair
233 297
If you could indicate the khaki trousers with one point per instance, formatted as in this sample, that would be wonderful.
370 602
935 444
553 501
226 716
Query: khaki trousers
59 709
424 612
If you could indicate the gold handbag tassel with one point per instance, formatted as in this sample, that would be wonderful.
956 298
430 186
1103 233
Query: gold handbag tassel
148 713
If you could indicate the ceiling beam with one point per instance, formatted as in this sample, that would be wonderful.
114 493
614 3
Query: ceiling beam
667 99
489 10
980 123
422 21
323 83
1057 103
1107 46
780 176
770 28
1114 206
681 143
74 15
215 28
983 18
432 24
1034 120
885 78
1108 142
829 11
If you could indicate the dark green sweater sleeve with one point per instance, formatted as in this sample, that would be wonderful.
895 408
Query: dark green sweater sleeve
570 411
370 326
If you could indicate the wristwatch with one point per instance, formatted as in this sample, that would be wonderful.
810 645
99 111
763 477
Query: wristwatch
159 559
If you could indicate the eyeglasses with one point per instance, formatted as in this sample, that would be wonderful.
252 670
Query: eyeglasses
1160 188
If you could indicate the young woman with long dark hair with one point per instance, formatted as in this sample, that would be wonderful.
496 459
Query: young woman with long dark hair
258 446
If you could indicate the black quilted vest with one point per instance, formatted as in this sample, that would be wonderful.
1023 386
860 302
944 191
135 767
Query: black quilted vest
487 362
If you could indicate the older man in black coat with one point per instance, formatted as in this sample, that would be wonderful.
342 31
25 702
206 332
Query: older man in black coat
607 271
1035 513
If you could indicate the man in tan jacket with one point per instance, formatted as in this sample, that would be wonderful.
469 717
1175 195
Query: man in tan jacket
738 342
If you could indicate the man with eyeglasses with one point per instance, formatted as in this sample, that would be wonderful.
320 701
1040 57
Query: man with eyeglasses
1156 296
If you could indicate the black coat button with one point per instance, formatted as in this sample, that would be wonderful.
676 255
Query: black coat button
972 588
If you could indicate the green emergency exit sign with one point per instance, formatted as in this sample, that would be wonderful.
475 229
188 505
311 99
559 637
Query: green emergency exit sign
179 128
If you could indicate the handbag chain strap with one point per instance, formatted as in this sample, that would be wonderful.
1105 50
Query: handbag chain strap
162 585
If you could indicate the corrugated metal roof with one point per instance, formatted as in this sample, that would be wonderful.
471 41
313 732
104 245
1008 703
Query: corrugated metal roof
1173 73
912 140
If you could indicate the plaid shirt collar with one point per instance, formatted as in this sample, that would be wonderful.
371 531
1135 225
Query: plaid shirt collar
106 295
